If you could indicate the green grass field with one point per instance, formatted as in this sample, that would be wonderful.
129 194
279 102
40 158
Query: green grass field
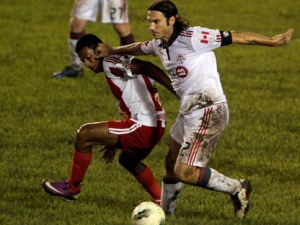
39 117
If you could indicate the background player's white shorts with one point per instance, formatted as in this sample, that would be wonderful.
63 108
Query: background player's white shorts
199 133
113 11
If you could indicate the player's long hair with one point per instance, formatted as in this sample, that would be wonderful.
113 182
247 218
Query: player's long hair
169 9
89 40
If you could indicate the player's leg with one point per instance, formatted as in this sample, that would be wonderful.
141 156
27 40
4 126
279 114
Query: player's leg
82 11
199 143
124 32
171 186
136 146
77 31
209 178
88 135
116 12
142 173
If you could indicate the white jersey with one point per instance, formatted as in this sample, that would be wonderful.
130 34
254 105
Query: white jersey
191 63
112 11
136 95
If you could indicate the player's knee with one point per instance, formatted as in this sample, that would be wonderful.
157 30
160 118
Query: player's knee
82 133
183 172
81 142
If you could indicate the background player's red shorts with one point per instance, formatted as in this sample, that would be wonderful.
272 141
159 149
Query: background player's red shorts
136 138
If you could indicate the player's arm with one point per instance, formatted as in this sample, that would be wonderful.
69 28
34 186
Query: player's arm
104 49
258 39
154 72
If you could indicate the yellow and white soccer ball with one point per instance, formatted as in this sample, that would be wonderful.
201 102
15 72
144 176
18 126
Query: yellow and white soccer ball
148 213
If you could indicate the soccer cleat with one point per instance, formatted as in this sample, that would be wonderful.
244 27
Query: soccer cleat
68 71
241 200
60 188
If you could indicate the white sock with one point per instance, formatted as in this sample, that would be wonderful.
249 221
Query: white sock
219 182
74 59
170 193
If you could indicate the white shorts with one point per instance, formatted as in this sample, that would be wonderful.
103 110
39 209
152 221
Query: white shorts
199 133
113 11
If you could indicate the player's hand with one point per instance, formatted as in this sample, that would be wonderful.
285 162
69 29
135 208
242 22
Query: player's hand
103 50
108 154
282 39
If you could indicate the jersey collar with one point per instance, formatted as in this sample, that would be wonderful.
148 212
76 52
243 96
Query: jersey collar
173 37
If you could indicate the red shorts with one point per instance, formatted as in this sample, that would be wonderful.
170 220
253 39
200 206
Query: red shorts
134 137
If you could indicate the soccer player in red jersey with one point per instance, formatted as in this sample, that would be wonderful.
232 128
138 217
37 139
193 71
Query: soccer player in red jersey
136 136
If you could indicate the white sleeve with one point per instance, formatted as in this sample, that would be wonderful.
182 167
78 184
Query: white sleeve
148 47
205 40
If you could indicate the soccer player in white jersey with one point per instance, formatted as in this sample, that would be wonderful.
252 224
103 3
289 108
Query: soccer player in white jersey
187 54
112 11
136 136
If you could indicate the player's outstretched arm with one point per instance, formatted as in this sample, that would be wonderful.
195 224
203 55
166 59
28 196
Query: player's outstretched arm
104 49
258 39
154 72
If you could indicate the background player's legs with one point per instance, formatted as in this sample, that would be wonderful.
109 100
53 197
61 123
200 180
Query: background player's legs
77 30
124 32
81 12
116 13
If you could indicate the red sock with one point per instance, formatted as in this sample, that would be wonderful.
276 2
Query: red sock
147 180
81 162
129 39
76 36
